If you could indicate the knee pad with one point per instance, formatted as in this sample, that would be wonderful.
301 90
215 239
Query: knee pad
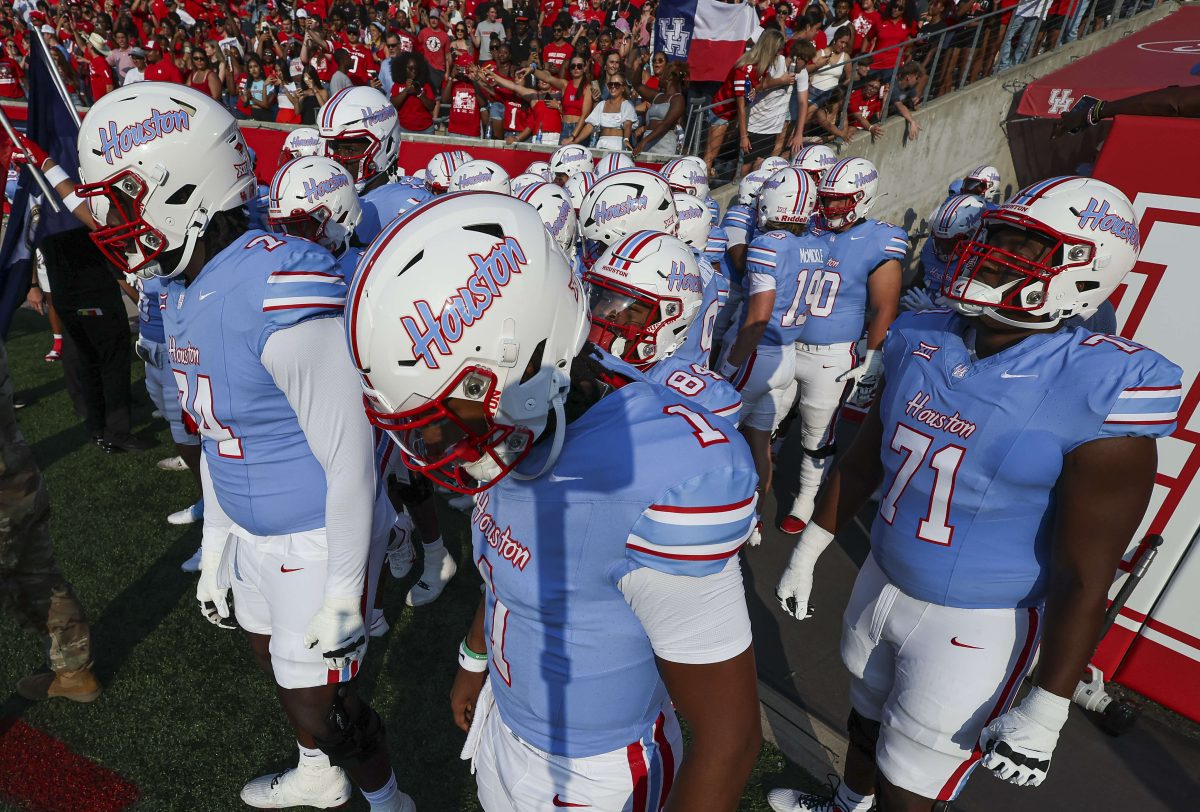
354 736
822 453
415 491
864 733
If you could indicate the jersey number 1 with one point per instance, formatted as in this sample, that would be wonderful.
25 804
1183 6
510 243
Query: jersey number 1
935 527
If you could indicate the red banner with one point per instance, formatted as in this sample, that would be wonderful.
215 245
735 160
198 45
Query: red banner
1157 637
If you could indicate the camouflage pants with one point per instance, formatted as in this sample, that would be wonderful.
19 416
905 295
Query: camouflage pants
30 582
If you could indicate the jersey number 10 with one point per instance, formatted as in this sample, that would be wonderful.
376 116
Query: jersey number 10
816 295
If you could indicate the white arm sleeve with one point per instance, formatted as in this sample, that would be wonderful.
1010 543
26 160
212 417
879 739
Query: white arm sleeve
691 620
217 524
310 365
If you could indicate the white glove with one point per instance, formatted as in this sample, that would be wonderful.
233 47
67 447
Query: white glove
917 299
795 585
338 628
1018 745
213 599
866 378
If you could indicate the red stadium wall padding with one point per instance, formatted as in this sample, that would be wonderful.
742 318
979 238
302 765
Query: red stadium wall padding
1155 646
414 155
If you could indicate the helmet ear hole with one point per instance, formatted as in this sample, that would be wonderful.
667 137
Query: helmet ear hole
181 195
535 361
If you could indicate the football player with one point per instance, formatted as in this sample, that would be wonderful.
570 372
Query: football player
1016 455
606 530
256 346
567 162
621 203
479 176
861 276
645 295
314 199
553 205
816 160
708 243
360 131
982 182
300 142
954 221
758 354
740 224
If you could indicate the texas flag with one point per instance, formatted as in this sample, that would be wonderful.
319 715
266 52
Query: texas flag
709 34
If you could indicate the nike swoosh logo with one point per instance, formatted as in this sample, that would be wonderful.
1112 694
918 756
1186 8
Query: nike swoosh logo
954 642
1010 375
282 568
204 296
556 478
561 803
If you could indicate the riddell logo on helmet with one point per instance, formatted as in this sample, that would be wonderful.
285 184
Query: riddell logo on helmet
115 143
1096 216
432 335
604 213
314 190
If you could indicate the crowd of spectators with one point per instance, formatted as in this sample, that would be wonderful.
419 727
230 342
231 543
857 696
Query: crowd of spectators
549 71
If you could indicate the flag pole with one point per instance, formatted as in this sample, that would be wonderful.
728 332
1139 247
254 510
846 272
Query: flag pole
54 77
52 198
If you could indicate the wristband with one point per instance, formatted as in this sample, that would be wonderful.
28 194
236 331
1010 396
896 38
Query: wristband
1093 114
1047 709
72 201
471 661
728 370
56 175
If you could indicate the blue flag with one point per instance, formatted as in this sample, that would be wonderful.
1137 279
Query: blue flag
51 126
674 28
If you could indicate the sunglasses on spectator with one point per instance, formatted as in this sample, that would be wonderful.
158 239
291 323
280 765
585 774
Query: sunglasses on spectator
577 65
616 84
393 45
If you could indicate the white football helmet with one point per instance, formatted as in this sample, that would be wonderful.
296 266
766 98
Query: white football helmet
463 320
683 175
983 181
577 188
156 161
480 176
627 201
313 198
569 161
695 220
299 142
553 205
774 163
523 181
953 221
788 196
541 168
1057 249
847 192
441 168
645 291
359 130
747 194
816 161
611 162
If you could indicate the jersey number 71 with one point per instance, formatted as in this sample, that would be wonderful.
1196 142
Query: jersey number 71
914 446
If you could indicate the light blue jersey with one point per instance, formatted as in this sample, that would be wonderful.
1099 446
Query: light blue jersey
973 449
933 270
265 476
716 245
784 262
643 480
385 203
698 345
701 385
152 302
836 295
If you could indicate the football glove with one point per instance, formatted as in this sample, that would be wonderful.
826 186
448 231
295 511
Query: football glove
866 377
338 628
1018 745
917 299
213 598
795 585
29 152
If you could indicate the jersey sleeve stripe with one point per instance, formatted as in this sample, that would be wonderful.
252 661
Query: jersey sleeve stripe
688 552
730 409
292 303
292 277
1152 392
1149 419
732 506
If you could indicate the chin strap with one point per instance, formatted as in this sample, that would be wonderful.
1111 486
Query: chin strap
560 436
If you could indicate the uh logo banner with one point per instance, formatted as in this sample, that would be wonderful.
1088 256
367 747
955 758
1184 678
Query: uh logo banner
708 34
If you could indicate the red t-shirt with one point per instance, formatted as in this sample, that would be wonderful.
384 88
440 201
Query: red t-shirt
550 10
164 70
10 79
556 55
541 119
869 108
101 76
464 110
433 43
362 64
887 33
407 43
862 24
741 81
412 114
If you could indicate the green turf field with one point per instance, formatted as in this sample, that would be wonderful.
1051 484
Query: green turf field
186 715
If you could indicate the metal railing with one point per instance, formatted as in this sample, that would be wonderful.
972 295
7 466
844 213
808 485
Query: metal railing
949 63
